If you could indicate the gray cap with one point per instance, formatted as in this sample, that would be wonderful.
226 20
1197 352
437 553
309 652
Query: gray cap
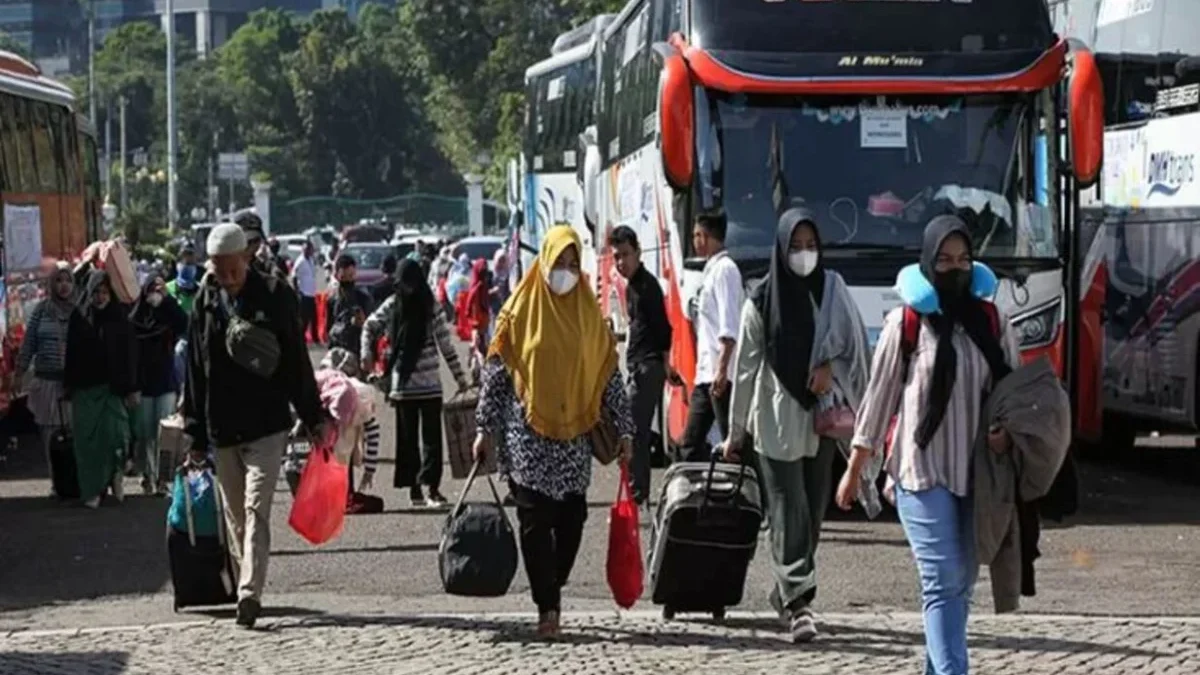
226 239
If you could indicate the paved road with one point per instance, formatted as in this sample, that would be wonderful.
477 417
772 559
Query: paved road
1131 552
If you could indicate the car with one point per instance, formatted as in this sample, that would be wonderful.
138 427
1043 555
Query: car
368 258
483 246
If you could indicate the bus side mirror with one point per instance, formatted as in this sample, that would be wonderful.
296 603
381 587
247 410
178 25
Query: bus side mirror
589 176
1085 117
677 122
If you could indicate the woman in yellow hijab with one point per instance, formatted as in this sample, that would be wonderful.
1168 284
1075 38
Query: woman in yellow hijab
551 370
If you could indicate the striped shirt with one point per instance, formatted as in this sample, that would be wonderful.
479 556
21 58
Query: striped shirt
45 343
946 461
299 451
426 380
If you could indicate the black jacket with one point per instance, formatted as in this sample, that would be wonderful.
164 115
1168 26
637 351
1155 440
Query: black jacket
340 309
226 405
156 329
101 353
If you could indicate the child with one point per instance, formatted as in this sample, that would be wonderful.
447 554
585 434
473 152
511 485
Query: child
352 404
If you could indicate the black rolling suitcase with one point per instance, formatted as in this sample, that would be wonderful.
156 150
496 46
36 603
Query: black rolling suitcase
202 570
64 476
705 535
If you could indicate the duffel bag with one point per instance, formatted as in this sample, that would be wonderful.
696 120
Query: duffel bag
478 554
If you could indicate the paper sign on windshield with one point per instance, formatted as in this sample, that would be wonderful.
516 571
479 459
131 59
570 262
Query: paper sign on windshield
883 128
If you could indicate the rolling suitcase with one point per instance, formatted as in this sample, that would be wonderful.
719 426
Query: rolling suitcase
202 570
705 535
64 476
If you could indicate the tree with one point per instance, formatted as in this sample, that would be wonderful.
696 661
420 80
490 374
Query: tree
10 44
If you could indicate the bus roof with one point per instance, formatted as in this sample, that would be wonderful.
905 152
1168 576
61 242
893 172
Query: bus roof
570 57
581 33
21 78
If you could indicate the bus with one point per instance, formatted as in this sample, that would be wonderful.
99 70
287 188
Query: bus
1141 224
873 120
49 185
559 92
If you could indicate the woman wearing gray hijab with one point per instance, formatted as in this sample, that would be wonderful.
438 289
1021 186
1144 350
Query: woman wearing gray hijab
802 350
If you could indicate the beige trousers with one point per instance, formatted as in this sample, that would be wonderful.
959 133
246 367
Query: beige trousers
247 474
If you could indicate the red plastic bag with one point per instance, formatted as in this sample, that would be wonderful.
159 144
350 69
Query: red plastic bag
320 507
625 572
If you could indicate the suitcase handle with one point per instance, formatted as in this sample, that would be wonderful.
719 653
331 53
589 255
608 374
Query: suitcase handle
712 470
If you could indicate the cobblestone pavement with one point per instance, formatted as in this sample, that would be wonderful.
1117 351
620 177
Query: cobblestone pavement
601 642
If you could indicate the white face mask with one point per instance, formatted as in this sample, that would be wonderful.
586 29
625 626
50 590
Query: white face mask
802 262
155 299
562 281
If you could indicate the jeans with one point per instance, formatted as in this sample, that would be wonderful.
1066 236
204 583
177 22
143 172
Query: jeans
940 529
154 409
646 382
418 455
248 474
551 531
703 410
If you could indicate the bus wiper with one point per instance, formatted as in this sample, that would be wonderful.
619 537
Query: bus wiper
869 249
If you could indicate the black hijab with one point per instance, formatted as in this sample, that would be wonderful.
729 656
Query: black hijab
95 316
410 321
146 319
783 301
959 306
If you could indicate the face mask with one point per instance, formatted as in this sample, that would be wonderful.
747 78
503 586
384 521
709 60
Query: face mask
954 283
155 299
562 281
803 262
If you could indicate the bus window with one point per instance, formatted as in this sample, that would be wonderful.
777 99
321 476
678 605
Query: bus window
18 155
66 150
43 147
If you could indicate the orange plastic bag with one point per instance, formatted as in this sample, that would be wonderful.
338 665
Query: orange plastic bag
319 511
625 572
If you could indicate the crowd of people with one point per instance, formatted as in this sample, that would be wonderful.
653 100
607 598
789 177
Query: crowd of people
783 370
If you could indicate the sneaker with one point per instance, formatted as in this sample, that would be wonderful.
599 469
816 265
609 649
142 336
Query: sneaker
435 500
247 612
93 503
416 497
803 626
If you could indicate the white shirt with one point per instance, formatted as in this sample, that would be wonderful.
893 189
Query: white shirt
718 315
305 274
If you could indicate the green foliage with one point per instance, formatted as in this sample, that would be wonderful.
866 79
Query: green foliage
139 223
398 101
10 44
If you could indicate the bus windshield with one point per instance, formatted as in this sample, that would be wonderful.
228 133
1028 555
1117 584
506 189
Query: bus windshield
873 170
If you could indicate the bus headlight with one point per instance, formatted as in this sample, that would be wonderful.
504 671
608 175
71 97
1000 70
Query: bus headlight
1038 327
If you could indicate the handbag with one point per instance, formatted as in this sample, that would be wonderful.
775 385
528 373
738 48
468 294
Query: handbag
834 417
605 440
477 556
249 345
624 566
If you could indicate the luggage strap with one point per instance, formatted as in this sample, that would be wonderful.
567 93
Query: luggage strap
462 496
218 500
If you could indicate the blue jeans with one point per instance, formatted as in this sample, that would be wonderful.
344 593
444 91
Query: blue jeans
940 530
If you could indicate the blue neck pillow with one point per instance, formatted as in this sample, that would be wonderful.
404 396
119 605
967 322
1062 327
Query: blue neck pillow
916 291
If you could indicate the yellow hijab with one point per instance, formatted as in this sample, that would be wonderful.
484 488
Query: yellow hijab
557 348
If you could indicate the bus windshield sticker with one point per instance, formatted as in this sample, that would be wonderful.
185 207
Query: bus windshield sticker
887 128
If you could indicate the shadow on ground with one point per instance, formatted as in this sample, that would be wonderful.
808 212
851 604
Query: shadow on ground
58 552
93 663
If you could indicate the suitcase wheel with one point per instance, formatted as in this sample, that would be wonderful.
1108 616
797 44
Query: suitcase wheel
718 614
668 613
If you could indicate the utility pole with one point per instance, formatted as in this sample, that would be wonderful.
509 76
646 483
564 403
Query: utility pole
172 203
212 194
108 151
124 157
92 63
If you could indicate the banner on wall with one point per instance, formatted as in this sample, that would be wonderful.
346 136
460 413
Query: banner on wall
22 238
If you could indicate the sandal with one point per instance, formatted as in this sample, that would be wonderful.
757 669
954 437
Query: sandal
548 624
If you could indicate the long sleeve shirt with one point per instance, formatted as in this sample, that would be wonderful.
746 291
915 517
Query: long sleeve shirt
649 329
946 461
45 343
552 467
426 380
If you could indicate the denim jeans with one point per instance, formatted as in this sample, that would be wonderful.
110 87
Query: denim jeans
940 530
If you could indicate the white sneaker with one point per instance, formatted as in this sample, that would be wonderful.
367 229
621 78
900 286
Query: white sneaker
92 503
803 626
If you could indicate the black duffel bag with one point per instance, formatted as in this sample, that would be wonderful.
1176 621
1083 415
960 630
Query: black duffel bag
478 554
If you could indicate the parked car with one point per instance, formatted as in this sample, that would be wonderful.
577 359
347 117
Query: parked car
484 246
368 258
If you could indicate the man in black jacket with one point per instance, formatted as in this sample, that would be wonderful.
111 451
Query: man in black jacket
237 403
347 308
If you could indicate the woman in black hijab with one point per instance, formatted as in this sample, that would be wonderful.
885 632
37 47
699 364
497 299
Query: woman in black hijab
416 334
158 323
801 351
935 392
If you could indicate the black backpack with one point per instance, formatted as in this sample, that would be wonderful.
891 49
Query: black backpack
478 554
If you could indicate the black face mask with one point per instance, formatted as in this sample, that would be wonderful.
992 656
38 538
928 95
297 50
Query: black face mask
955 283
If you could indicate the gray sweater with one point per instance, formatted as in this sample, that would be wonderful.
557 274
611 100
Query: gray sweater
45 343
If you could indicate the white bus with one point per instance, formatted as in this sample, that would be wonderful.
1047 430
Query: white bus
1141 228
875 121
560 94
